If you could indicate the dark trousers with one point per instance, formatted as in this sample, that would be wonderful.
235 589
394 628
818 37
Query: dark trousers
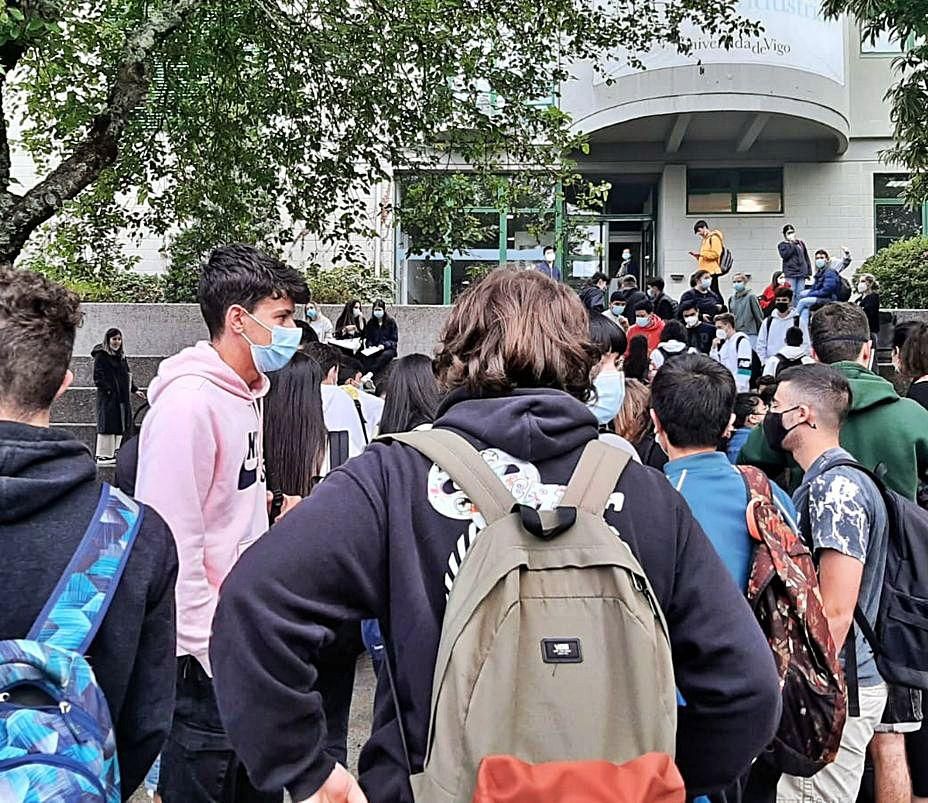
376 363
198 764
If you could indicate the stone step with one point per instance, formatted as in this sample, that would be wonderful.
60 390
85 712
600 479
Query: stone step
79 406
143 370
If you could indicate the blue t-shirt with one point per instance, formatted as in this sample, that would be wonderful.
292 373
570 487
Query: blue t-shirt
716 493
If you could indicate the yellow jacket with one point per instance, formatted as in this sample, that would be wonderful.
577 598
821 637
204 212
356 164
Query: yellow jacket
710 252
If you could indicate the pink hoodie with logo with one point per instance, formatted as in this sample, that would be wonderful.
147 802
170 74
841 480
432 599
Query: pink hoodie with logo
201 468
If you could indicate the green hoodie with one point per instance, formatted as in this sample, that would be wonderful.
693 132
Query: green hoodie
881 428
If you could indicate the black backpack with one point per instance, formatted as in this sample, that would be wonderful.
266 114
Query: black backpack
786 362
900 639
669 355
844 289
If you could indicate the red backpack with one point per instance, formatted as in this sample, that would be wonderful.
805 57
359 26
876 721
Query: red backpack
783 592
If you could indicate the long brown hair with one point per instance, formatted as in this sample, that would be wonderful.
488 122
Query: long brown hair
516 329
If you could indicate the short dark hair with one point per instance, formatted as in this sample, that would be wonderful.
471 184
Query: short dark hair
794 336
606 336
617 296
597 277
694 397
724 317
823 388
673 330
783 292
348 368
38 323
823 252
687 305
788 228
629 281
699 224
913 353
548 248
327 356
745 404
699 274
242 274
838 330
658 282
645 305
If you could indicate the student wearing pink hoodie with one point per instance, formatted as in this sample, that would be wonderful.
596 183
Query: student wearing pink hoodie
201 467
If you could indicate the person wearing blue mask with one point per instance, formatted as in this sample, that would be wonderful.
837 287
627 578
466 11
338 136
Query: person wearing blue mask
608 379
826 286
381 338
319 323
201 466
615 312
743 304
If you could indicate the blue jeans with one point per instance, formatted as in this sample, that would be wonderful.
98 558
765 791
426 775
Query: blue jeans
797 284
804 308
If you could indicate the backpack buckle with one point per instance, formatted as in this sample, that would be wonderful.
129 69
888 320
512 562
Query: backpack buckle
564 519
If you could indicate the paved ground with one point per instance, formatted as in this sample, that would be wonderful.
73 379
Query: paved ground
362 705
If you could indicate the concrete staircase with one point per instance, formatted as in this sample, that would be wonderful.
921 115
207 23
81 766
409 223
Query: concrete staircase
76 411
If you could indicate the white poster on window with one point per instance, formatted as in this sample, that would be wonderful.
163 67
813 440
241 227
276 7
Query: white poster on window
794 35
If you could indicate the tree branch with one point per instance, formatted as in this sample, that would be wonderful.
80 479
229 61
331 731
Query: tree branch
100 147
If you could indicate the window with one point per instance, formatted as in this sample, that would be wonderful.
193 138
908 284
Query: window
730 191
893 219
884 44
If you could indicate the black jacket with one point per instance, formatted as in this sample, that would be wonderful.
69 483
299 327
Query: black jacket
48 493
114 386
700 337
707 303
795 256
665 307
593 298
870 304
632 297
383 334
292 589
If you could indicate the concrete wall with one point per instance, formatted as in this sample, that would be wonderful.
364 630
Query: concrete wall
830 204
159 330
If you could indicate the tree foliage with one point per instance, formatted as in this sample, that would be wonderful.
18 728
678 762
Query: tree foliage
902 271
907 23
266 119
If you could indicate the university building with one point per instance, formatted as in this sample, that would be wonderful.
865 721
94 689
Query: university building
785 128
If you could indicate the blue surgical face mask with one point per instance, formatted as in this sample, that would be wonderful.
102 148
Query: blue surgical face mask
378 313
610 395
739 286
706 284
311 314
642 322
819 263
618 309
285 340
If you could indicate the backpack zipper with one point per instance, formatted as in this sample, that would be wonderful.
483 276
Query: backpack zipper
66 764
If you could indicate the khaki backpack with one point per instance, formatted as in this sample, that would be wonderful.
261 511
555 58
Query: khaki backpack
553 645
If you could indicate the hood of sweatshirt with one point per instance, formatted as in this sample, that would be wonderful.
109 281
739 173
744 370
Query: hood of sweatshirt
38 466
793 352
203 361
532 424
673 346
868 389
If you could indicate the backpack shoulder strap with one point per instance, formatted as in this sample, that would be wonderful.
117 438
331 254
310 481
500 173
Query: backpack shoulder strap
338 448
466 467
73 613
594 479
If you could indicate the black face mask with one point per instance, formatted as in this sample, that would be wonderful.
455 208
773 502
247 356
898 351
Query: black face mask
775 432
782 306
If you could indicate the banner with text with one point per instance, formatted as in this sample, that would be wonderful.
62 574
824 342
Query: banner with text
794 35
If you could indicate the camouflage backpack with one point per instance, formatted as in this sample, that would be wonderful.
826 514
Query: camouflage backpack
783 592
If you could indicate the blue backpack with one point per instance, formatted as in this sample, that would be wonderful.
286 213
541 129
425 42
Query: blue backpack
56 736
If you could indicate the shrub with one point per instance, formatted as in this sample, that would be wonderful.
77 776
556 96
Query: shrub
136 288
339 284
902 271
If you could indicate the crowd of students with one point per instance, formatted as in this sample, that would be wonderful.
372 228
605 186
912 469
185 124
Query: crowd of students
229 648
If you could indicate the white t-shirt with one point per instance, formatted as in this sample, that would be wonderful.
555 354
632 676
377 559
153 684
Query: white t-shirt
339 413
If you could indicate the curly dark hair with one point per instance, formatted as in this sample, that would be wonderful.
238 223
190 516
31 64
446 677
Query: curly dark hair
38 323
516 329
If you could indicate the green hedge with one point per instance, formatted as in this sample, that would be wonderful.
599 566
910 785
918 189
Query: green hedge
902 271
340 284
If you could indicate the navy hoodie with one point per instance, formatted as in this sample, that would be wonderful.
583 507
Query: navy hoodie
48 494
374 540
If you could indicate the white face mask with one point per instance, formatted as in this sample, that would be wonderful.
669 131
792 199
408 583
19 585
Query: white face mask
549 257
721 334
626 255
690 321
861 287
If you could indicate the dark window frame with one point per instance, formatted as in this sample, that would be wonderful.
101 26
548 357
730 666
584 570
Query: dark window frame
735 187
